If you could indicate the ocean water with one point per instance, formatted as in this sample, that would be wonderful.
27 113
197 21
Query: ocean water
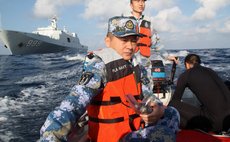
32 85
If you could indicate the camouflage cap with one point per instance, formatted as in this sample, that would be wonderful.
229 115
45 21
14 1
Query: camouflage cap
121 26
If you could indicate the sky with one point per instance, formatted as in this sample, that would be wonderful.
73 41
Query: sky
181 24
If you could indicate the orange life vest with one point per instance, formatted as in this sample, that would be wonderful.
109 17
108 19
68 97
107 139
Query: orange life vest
110 116
144 42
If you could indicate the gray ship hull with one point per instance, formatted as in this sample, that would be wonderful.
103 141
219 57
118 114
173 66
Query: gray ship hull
20 43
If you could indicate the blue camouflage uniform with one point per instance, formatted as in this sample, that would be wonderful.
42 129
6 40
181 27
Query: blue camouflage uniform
60 121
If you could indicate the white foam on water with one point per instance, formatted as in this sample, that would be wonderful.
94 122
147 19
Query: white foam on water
27 97
33 79
40 91
7 104
182 53
3 119
75 57
179 54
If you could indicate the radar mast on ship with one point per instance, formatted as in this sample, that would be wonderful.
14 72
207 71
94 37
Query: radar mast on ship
54 22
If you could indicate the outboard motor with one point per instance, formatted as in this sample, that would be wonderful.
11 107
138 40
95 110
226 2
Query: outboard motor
161 88
159 76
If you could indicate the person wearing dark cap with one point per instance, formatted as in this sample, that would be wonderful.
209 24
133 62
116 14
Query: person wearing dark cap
213 113
111 76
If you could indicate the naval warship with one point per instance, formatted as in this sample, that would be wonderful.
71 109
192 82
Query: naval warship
48 39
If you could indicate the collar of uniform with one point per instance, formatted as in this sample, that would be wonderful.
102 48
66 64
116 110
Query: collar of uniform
131 15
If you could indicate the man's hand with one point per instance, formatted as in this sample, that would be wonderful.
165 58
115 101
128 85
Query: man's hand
173 58
155 115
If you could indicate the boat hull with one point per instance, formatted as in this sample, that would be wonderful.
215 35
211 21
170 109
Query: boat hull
28 43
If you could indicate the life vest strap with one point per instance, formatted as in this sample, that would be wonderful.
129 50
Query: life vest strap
113 101
115 120
131 118
142 44
105 103
143 35
98 120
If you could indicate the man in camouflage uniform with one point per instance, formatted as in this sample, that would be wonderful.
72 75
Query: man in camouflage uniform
161 124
